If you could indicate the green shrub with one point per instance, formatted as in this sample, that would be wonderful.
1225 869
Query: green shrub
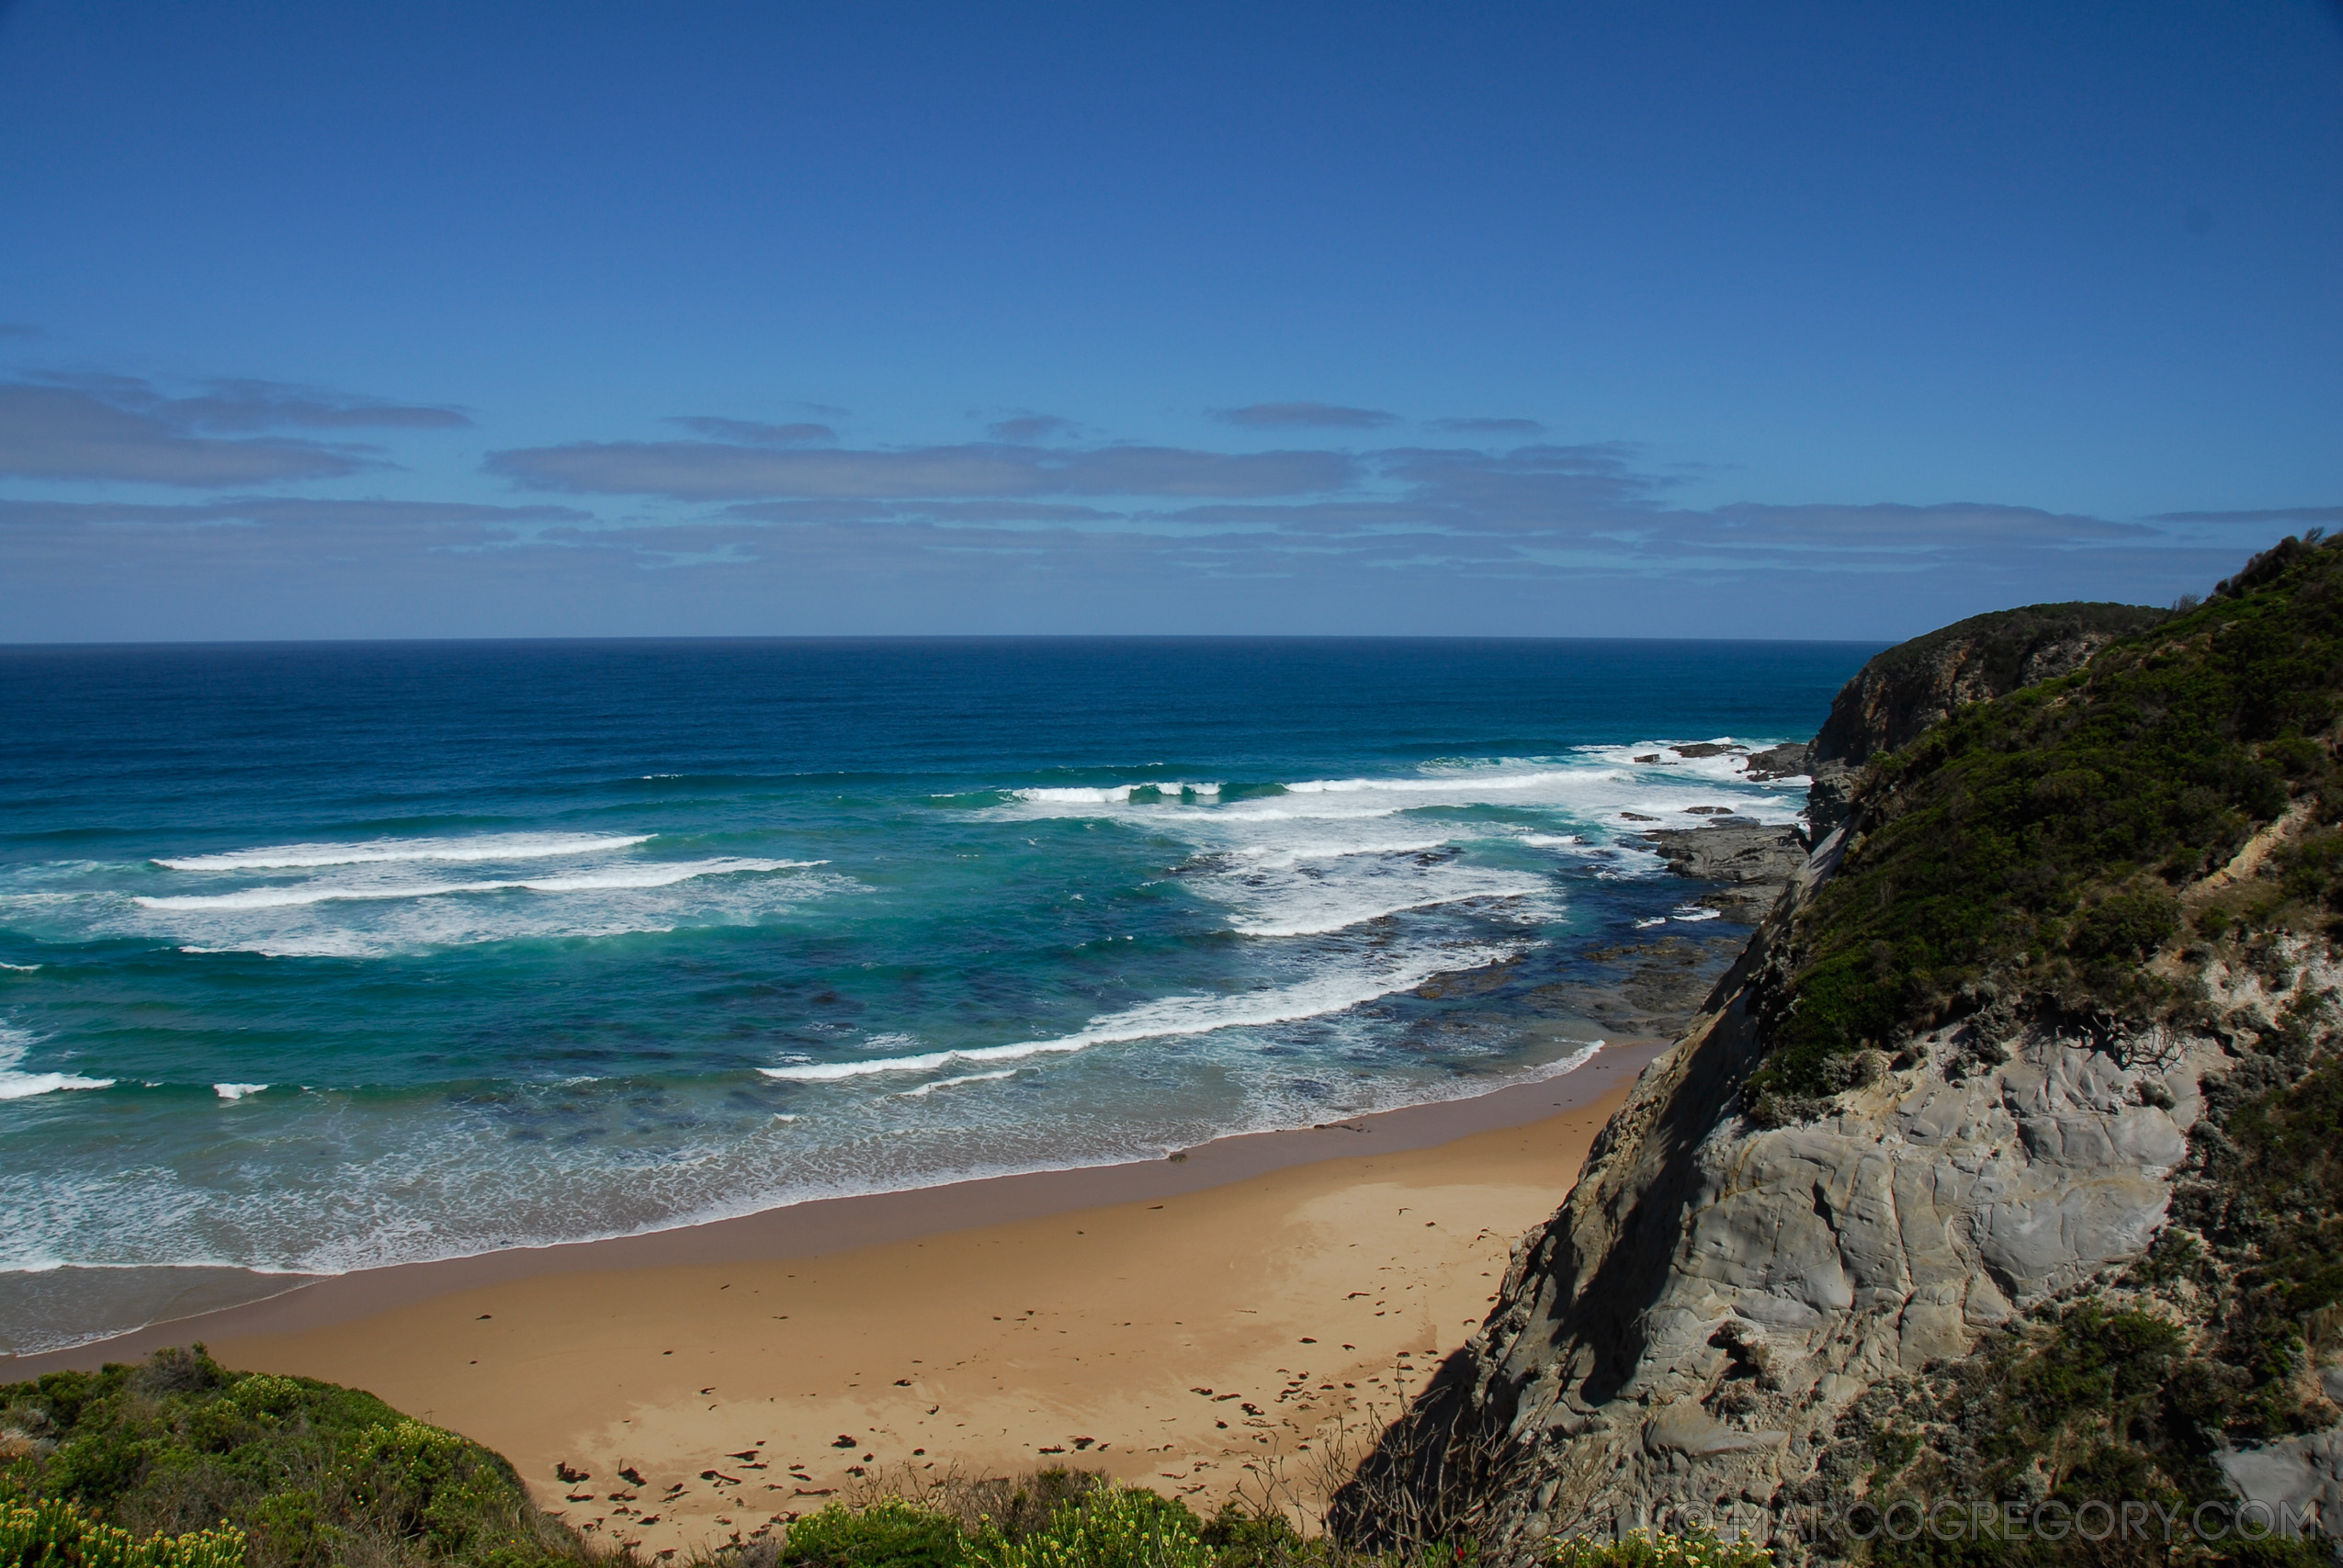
1114 1526
309 1474
888 1534
1657 1549
54 1533
1241 1539
2123 926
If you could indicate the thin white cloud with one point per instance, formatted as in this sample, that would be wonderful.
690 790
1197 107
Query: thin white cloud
2315 514
66 433
709 470
1525 427
1031 427
755 434
274 508
1305 416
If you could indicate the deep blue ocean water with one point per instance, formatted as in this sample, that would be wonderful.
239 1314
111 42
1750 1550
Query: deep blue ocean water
323 956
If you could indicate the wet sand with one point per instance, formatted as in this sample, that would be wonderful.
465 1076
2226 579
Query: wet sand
1238 1319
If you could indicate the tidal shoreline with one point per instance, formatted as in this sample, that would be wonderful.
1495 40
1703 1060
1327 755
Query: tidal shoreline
256 1304
1243 1341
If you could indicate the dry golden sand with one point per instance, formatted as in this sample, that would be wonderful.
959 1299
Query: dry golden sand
1197 1344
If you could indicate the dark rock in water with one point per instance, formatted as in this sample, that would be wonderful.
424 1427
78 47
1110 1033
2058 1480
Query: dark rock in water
1902 691
1638 817
1785 761
1702 748
1739 851
1640 989
1708 811
1652 757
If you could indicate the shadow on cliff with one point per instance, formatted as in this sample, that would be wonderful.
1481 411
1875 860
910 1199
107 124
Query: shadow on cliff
1436 1472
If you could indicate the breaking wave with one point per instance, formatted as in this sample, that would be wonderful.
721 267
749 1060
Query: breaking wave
482 847
1177 1015
651 875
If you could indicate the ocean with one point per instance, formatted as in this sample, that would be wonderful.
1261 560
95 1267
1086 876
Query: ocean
316 957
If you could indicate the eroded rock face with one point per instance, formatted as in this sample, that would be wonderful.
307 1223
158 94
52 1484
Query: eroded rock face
1716 1292
2302 1476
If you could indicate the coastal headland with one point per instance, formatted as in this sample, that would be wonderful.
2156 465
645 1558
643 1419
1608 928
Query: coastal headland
1239 1321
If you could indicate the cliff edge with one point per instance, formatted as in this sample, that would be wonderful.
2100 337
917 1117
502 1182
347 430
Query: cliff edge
2007 1163
1896 696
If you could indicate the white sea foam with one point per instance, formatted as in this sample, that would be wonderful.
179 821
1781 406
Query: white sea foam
1282 813
1553 841
1335 912
1461 783
1725 767
14 1085
1604 784
236 1091
647 874
1304 881
377 928
1690 915
927 1089
481 847
1179 1016
24 1086
21 968
1287 856
1112 795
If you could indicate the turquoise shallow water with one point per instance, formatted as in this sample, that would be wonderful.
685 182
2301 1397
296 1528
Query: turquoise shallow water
320 957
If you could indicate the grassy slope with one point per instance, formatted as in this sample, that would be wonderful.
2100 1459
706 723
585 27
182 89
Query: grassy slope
2030 850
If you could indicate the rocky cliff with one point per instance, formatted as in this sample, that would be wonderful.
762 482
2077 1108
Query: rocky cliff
1912 685
1971 1179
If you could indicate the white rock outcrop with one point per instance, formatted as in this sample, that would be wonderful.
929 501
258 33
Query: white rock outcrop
1685 1331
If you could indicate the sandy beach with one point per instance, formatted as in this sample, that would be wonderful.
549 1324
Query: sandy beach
1207 1326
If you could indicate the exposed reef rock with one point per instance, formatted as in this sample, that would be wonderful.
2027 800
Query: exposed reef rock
1787 760
1754 861
1903 691
1641 990
2007 1160
1736 850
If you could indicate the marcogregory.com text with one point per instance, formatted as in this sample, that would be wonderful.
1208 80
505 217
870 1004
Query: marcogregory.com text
1994 1520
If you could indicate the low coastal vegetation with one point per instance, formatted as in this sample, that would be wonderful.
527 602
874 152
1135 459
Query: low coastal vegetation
2032 852
206 1467
177 1462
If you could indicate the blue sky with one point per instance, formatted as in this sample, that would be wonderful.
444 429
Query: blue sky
1560 320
